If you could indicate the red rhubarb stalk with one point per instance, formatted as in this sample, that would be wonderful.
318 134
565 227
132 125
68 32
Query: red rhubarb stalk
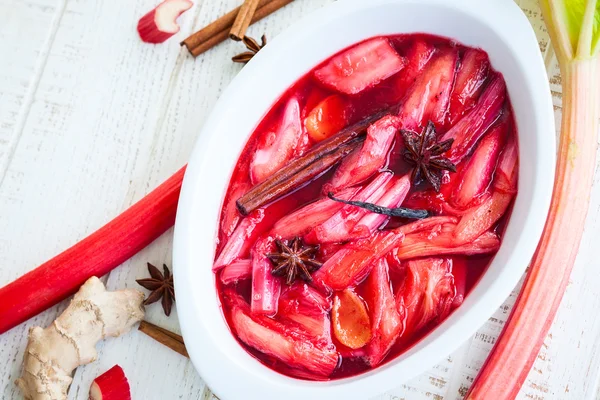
576 43
96 255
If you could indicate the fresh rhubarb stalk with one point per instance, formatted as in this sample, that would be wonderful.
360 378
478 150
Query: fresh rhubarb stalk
236 271
161 23
301 221
111 385
96 255
266 287
573 29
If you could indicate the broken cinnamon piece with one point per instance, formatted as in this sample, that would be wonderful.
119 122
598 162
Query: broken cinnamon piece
161 335
243 19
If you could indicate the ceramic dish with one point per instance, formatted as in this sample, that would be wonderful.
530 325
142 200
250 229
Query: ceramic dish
499 28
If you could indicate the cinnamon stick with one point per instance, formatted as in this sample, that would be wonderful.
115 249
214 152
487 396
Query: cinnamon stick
218 31
242 21
165 337
282 181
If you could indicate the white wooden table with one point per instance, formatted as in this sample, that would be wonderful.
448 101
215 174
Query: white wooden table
91 119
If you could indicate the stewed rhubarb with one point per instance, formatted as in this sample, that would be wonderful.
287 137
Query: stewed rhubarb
366 205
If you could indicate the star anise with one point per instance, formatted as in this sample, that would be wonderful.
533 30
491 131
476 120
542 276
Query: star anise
161 286
427 155
294 260
253 48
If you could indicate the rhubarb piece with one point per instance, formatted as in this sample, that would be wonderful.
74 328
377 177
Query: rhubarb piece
236 271
231 216
338 228
294 260
370 158
311 356
52 354
386 316
484 215
352 263
361 67
351 323
427 155
308 308
576 41
161 23
424 245
417 57
277 148
239 243
429 96
475 177
301 221
119 239
266 287
427 293
327 118
111 385
470 78
470 128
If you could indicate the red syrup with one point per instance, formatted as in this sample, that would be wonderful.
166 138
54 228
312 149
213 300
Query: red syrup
388 91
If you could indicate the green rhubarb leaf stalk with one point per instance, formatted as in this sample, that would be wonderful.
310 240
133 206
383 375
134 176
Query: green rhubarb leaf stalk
574 29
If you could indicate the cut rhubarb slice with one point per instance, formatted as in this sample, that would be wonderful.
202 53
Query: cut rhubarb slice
352 263
338 228
361 67
470 128
386 316
427 293
236 271
287 342
476 175
395 193
351 323
238 245
231 216
328 117
276 148
266 287
111 385
161 23
470 79
417 57
301 221
308 308
428 98
445 243
370 158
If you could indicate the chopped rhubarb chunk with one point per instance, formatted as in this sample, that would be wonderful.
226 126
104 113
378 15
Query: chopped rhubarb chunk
445 243
351 323
276 148
111 385
417 57
470 128
301 221
231 216
266 287
287 342
470 78
475 177
352 263
505 179
328 117
428 98
240 241
386 316
361 67
236 271
308 308
427 293
395 193
370 158
338 228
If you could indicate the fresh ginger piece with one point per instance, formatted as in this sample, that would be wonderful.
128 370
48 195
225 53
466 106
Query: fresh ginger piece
70 341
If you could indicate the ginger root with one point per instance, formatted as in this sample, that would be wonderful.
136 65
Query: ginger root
52 354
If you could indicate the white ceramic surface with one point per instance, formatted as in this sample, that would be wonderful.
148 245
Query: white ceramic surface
497 26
